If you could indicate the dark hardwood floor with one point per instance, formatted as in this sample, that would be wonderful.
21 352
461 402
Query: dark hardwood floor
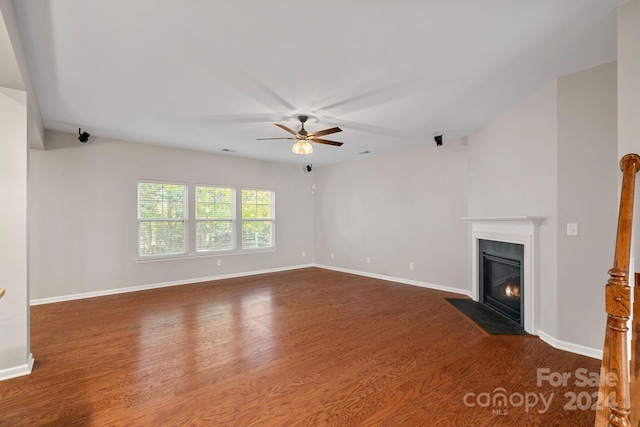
309 347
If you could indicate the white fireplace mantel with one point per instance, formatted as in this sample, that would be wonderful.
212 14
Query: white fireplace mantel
513 229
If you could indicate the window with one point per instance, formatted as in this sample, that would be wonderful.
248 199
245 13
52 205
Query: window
178 220
257 219
162 219
215 218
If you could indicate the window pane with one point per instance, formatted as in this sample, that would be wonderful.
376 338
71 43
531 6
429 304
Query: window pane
256 204
149 200
249 211
161 201
161 238
248 203
264 211
174 196
263 197
249 196
215 203
257 215
149 209
158 204
256 234
215 214
223 210
214 236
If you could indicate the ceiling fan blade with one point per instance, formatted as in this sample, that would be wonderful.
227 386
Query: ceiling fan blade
283 127
324 141
368 128
326 131
264 139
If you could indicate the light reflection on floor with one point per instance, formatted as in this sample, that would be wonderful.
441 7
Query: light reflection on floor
213 332
257 324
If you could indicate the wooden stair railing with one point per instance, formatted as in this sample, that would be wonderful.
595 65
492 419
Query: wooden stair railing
615 407
634 384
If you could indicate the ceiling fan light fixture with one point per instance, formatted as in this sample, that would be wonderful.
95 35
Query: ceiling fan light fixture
303 138
302 147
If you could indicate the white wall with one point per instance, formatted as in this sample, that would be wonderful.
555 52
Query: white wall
587 195
83 200
398 208
628 81
513 172
14 71
629 98
15 357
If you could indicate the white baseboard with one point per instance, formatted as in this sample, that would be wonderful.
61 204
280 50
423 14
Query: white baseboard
243 274
571 347
161 285
18 371
399 280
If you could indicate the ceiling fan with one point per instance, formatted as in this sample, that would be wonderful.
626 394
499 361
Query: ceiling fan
303 138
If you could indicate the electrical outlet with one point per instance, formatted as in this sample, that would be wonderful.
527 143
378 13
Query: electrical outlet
303 253
572 229
219 262
368 260
332 256
410 266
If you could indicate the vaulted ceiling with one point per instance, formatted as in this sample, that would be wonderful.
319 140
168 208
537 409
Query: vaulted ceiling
216 75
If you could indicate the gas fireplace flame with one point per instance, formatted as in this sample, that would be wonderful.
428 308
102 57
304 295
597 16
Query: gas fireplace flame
512 290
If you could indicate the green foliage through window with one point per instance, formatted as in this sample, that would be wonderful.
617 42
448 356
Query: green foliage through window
161 201
165 229
257 219
162 211
215 218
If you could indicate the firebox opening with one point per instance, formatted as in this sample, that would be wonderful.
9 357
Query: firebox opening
500 278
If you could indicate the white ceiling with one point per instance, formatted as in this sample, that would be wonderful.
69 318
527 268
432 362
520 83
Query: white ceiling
213 75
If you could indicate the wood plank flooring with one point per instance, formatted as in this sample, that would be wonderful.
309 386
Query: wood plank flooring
309 347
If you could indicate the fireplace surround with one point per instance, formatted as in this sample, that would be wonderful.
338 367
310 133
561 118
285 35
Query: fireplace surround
520 230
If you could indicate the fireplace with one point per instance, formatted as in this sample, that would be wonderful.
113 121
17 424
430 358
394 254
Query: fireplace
500 277
523 231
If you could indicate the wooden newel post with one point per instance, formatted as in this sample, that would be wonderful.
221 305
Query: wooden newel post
618 300
615 355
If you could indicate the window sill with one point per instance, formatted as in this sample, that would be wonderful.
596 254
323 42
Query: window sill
204 255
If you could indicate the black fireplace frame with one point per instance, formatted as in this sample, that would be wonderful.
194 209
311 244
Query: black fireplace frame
507 253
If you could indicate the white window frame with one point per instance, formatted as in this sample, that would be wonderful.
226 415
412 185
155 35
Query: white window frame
271 220
190 223
232 220
184 220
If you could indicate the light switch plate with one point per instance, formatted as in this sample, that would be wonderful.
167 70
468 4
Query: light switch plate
572 229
